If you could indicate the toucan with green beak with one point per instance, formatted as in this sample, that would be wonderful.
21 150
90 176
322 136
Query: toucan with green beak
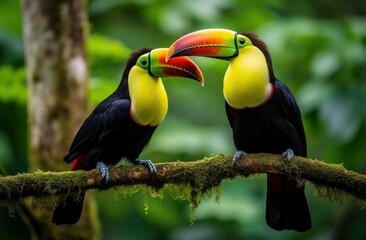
262 113
121 125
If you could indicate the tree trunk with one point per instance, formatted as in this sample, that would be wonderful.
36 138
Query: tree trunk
54 33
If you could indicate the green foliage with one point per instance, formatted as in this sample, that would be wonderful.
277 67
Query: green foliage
106 58
10 17
13 84
332 83
101 48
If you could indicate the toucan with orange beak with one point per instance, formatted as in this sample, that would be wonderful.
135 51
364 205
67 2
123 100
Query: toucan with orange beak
121 125
262 113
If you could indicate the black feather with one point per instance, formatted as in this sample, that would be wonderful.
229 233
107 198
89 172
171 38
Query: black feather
107 135
275 127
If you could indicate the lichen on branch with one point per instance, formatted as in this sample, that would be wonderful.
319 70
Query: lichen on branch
200 176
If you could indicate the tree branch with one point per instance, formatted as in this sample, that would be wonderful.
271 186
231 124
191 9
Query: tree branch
201 175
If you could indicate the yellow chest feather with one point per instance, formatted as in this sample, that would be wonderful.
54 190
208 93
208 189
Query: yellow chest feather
246 82
149 101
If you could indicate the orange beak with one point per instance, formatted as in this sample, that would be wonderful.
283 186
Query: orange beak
178 67
216 43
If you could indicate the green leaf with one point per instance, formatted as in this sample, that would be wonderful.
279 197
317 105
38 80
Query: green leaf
102 48
13 84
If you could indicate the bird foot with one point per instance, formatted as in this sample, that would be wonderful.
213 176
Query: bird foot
150 166
238 155
288 155
105 171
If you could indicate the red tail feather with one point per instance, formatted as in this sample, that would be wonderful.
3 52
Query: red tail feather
78 163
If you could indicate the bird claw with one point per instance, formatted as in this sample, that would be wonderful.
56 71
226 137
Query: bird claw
150 166
238 155
104 169
288 155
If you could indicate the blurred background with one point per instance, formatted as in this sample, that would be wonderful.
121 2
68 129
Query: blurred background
318 49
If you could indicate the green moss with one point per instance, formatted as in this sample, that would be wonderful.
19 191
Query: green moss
337 196
129 190
179 191
218 194
193 192
188 181
193 186
48 202
11 206
47 182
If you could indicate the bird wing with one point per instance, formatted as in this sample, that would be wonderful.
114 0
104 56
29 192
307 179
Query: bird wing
290 110
107 117
229 114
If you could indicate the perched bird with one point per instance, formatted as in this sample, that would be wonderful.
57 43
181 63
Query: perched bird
262 113
122 124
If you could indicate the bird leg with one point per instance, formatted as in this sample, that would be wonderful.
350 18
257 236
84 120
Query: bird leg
238 155
150 166
288 155
104 169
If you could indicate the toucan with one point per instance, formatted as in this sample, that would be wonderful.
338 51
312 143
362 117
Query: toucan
262 113
122 124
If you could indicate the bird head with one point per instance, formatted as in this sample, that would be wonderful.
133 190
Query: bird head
146 68
155 63
247 81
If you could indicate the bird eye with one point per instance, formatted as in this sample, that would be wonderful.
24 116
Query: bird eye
143 62
241 41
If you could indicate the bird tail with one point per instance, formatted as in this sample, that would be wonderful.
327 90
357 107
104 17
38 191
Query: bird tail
68 209
286 206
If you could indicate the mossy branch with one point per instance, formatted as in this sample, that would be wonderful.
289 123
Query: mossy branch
201 175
